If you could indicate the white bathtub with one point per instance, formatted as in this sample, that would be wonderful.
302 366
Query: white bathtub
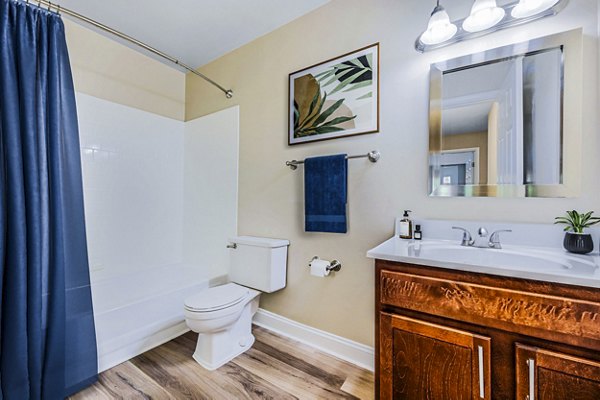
141 310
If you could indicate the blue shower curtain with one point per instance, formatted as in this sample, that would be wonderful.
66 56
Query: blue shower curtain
47 334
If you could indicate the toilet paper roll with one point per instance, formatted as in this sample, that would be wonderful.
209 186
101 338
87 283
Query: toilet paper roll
319 268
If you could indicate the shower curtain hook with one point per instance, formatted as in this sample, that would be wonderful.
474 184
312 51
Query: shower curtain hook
49 5
58 10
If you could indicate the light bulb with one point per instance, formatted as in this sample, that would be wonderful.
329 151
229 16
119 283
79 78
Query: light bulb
484 15
439 28
527 8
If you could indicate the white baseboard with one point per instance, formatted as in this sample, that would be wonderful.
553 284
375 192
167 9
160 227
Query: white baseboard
348 350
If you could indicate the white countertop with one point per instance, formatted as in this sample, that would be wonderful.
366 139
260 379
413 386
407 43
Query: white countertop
547 264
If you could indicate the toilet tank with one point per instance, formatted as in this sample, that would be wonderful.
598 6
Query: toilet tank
259 263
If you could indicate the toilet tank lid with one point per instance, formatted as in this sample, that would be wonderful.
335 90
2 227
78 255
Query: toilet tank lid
259 241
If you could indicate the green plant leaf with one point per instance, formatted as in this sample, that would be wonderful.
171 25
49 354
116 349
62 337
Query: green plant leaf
322 103
365 96
327 75
346 82
296 116
567 222
577 221
356 62
338 120
310 121
328 129
325 72
329 82
314 101
592 222
352 71
328 112
359 85
342 66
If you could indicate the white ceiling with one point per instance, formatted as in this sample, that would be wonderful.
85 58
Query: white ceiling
468 119
194 31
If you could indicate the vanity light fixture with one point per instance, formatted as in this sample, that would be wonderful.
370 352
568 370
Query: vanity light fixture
485 17
527 8
439 28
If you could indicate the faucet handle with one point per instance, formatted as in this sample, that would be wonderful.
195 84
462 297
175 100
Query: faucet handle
467 240
482 232
494 242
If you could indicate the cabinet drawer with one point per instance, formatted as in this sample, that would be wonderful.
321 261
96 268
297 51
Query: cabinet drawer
564 319
420 361
548 375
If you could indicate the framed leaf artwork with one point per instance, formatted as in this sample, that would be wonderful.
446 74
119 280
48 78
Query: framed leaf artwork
335 98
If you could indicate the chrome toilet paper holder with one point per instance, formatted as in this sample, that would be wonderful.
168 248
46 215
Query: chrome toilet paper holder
334 265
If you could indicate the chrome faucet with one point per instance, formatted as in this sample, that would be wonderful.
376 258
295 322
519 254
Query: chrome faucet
467 240
492 243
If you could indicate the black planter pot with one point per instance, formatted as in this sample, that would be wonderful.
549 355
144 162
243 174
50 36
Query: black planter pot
579 243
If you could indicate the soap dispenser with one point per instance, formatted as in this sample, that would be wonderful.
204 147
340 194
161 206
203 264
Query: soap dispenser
418 234
406 226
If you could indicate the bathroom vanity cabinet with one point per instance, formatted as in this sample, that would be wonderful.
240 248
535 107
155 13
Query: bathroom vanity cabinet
447 334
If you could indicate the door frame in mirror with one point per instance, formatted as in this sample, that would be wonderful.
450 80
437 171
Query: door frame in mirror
571 43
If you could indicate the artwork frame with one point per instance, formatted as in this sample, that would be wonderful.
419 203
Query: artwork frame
329 113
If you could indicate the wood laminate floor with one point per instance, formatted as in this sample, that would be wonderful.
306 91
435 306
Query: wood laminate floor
274 368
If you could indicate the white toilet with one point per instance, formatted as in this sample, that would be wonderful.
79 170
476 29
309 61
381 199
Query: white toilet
222 315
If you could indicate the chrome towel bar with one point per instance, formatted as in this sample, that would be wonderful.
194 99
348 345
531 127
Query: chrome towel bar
373 156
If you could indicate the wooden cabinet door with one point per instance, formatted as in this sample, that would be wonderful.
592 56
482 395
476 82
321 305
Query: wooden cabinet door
421 360
547 375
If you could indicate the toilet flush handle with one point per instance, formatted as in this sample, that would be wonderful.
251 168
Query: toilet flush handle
232 246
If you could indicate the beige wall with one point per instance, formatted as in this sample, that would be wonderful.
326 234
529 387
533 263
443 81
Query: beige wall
111 71
271 195
471 140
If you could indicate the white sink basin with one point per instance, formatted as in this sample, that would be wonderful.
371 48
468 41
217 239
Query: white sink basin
540 263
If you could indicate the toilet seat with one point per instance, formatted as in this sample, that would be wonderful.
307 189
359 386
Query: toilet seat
216 298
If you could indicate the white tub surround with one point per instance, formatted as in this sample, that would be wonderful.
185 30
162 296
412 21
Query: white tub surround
139 311
530 251
132 163
210 188
156 235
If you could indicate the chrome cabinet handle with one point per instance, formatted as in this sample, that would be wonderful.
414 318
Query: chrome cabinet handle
531 364
481 377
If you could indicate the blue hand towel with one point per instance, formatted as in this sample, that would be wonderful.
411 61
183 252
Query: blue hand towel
325 193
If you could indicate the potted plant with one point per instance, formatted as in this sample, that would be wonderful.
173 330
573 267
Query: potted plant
576 241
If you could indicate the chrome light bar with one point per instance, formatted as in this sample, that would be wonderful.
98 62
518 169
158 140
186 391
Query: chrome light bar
507 22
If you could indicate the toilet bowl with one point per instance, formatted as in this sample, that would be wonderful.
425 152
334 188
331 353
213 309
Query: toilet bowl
222 315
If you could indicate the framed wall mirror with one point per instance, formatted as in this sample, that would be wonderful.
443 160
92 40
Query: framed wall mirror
507 122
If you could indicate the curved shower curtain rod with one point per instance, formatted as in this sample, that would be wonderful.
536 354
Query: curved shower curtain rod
87 20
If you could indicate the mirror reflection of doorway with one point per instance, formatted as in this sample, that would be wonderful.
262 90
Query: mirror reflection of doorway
459 167
510 110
